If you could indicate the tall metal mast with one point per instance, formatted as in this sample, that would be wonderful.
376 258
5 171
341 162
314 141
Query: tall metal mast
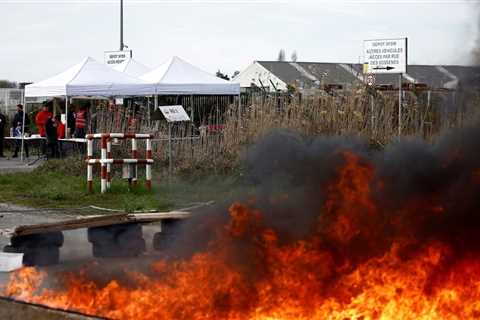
121 26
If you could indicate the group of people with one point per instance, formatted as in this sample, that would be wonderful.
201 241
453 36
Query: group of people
49 126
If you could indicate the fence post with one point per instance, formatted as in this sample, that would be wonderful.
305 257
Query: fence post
135 156
148 167
109 166
103 164
89 165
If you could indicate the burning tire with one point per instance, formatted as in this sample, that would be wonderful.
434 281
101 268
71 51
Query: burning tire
117 241
114 250
111 233
36 256
163 240
54 239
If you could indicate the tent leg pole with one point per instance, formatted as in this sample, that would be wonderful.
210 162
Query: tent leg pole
149 110
23 125
67 134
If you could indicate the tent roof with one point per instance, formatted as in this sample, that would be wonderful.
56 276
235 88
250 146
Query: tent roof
88 78
177 76
132 67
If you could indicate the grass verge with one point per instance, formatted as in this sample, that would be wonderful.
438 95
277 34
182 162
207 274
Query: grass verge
51 186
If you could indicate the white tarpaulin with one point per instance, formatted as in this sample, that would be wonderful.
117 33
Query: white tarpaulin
89 78
180 77
132 67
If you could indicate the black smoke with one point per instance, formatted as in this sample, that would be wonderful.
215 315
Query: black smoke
431 190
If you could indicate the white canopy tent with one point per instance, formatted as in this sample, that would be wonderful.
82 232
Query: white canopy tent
88 78
132 67
178 77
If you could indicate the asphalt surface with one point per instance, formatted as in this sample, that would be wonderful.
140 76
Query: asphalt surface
10 165
76 245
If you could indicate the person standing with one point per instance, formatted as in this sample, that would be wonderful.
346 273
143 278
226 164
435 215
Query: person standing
17 125
51 133
41 119
80 123
70 120
3 121
60 127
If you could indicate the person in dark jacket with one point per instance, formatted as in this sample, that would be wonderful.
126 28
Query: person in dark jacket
17 125
3 121
70 121
51 126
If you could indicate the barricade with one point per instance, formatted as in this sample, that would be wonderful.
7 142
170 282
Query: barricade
106 161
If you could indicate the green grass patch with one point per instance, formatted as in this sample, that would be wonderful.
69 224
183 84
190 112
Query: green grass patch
60 184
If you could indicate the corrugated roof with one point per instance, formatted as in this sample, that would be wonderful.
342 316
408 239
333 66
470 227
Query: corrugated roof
332 73
306 74
465 75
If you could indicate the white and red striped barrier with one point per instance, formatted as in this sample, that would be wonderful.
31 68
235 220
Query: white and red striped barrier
106 161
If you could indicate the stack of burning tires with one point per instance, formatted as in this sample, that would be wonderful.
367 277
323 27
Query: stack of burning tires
123 240
41 249
163 240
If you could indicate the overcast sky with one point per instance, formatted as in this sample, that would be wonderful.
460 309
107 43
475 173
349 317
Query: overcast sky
41 38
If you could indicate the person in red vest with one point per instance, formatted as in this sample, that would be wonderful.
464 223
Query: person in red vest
80 123
60 128
41 119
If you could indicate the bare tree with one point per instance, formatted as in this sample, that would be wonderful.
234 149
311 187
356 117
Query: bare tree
281 55
8 84
294 56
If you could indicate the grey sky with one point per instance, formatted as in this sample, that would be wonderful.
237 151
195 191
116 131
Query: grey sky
41 38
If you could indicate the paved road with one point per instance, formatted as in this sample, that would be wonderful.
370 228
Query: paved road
76 245
9 165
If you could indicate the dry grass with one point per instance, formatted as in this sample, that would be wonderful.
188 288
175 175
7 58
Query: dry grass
355 113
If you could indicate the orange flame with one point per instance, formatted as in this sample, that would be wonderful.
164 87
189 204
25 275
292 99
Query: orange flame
248 273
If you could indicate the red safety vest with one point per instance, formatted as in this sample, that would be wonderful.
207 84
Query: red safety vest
80 120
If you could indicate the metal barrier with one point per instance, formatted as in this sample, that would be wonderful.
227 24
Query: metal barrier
106 160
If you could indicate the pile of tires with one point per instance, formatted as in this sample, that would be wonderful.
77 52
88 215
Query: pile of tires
124 240
164 240
42 249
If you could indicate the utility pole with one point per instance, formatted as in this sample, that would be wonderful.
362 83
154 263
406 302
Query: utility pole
121 25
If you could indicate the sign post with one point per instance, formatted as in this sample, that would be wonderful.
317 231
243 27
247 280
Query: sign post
173 114
387 56
370 80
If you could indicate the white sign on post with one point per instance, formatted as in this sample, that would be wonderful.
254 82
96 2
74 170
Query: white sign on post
174 113
385 56
116 57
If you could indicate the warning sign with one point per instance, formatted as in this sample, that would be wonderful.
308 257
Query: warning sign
385 56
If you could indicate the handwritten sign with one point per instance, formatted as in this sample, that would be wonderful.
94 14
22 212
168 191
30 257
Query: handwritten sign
174 113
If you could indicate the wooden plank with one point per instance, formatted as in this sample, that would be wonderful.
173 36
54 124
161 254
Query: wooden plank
97 221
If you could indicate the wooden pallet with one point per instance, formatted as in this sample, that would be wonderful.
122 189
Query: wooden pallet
96 221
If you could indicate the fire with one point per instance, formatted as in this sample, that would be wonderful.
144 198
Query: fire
361 261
